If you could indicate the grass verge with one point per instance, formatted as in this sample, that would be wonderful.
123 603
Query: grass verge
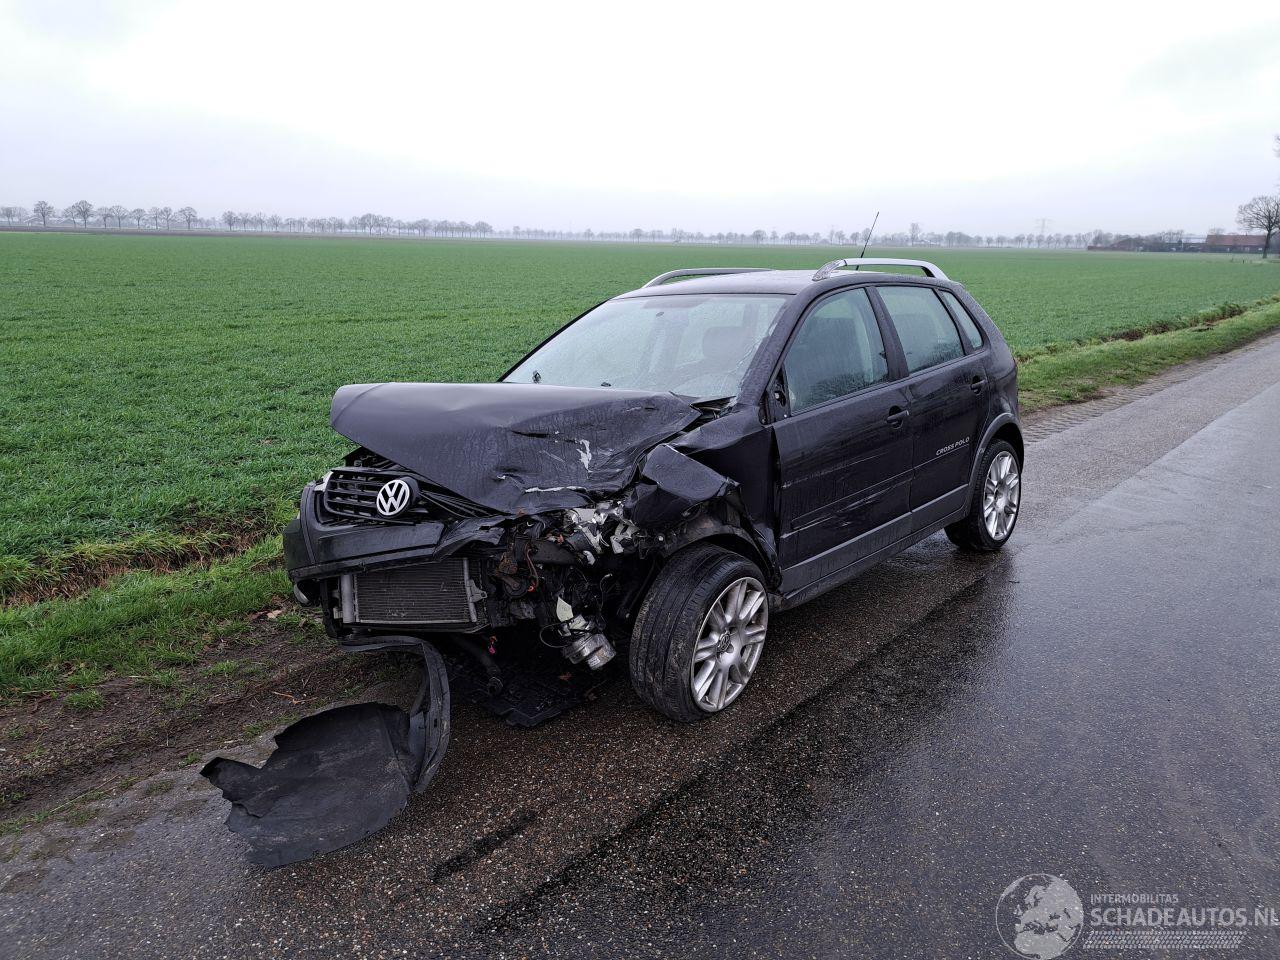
1084 371
68 572
137 625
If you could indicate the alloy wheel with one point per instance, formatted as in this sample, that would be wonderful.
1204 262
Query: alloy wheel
1001 492
729 644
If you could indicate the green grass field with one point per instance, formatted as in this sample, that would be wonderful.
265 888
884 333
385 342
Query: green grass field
167 397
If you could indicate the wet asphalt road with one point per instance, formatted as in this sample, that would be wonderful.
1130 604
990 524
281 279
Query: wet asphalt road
1098 703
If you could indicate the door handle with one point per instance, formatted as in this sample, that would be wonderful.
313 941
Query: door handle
977 383
897 416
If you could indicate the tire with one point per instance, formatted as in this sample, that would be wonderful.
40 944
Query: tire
678 611
975 532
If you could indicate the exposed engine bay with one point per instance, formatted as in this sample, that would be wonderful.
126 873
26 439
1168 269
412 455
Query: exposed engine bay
544 506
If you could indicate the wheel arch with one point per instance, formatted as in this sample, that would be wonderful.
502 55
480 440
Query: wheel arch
704 529
1012 435
1004 427
709 531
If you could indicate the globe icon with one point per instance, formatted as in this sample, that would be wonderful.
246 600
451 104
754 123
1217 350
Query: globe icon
1039 916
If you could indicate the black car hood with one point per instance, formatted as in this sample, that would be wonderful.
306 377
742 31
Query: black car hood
512 447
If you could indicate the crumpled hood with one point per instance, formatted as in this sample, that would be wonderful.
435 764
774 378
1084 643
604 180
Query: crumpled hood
511 446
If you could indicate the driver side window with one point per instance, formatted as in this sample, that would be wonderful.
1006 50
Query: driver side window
837 351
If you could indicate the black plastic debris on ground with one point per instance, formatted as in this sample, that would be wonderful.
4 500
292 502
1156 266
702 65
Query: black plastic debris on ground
339 775
538 684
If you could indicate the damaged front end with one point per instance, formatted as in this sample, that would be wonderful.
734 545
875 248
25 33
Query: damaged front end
476 507
445 572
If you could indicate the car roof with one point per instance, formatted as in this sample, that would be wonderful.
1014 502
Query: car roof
762 281
765 282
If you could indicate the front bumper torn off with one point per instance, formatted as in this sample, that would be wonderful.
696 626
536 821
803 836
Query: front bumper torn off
340 775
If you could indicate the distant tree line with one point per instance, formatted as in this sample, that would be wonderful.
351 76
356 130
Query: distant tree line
84 215
1262 213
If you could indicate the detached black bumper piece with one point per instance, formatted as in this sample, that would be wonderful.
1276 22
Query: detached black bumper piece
340 775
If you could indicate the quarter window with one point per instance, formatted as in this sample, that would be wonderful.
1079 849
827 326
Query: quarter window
838 351
962 317
928 336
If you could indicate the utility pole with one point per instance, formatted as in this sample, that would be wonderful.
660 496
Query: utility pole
1042 227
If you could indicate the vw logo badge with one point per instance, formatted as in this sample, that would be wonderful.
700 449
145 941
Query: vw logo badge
395 496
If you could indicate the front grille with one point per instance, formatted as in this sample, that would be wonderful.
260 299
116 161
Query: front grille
351 493
426 593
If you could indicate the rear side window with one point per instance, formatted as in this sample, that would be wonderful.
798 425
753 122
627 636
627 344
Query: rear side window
838 351
969 328
928 336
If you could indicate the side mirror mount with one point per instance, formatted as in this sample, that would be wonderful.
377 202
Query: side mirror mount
777 399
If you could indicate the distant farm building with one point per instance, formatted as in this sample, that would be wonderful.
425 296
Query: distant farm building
1230 243
1213 243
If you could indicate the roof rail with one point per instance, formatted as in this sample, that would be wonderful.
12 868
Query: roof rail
700 272
930 269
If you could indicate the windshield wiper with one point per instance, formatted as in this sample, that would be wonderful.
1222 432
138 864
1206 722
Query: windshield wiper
711 406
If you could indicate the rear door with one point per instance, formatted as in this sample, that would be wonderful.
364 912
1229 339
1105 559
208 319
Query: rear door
843 440
947 398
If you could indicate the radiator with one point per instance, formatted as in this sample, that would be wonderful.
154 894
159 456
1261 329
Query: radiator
425 593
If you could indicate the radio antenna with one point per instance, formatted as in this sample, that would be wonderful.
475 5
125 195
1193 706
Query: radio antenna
868 240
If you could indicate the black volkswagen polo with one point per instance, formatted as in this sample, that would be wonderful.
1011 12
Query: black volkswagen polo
668 470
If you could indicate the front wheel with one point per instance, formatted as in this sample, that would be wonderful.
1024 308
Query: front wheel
994 508
699 633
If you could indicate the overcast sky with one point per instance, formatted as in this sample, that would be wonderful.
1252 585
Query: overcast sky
791 116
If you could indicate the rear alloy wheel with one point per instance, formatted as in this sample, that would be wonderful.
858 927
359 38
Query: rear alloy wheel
994 508
1001 491
699 633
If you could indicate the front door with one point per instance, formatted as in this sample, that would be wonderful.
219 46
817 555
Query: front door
948 398
843 440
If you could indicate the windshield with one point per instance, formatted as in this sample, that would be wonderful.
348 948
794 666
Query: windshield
696 346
